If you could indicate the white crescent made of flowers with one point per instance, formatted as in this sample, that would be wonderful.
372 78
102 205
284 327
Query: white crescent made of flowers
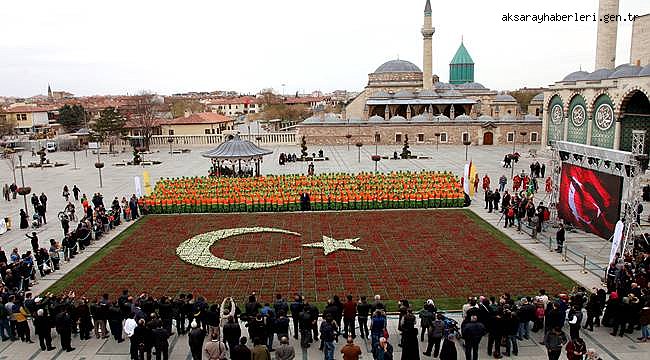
196 250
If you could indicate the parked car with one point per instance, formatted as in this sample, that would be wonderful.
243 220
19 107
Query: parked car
50 146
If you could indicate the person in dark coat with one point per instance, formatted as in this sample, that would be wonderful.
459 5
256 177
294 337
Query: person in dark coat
241 351
43 329
64 324
143 337
161 341
473 331
496 198
24 219
231 333
448 350
85 321
196 338
410 344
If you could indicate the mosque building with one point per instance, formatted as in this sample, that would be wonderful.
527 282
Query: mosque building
608 107
402 100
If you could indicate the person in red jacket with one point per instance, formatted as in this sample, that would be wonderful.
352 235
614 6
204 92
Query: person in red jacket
349 314
486 182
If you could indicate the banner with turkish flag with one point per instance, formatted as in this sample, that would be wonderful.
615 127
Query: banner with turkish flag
590 200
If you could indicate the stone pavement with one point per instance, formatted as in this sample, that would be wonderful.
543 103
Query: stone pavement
119 182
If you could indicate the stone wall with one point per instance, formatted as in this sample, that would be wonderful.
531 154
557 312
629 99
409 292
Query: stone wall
336 134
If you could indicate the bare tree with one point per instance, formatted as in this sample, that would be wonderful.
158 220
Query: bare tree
145 115
10 158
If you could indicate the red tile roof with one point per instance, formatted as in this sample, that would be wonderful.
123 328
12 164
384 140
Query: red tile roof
232 101
198 118
30 109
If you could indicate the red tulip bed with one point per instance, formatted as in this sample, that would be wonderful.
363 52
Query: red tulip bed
414 254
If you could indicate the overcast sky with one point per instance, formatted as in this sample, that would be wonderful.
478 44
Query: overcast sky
118 47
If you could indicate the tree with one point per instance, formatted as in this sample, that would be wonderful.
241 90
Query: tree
406 153
145 116
303 148
72 117
109 126
180 107
10 158
7 127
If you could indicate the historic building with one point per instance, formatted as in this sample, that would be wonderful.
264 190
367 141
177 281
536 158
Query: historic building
608 107
400 100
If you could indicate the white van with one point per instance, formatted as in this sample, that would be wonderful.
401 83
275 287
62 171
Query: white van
50 146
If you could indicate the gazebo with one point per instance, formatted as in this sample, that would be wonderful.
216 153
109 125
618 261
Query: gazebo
235 150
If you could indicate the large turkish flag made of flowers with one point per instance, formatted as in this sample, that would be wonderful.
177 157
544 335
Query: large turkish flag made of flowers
398 254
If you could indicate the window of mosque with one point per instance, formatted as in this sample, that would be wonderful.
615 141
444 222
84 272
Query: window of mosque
398 137
420 137
465 137
170 132
534 137
443 137
510 137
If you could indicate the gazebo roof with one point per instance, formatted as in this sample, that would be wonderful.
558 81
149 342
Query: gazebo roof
236 149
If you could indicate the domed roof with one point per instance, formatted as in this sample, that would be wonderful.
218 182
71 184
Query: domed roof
538 97
397 66
312 120
505 98
376 119
404 94
427 94
420 118
381 95
531 117
599 74
485 118
471 85
463 118
451 93
442 118
236 148
576 76
645 71
442 85
625 70
507 117
355 120
461 56
331 117
398 118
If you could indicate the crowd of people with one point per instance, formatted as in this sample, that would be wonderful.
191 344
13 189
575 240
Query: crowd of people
326 191
215 330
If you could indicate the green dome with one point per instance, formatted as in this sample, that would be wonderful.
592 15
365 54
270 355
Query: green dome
462 56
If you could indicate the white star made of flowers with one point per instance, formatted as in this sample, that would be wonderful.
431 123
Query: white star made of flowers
331 245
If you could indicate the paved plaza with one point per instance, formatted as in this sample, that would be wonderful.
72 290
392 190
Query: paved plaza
119 181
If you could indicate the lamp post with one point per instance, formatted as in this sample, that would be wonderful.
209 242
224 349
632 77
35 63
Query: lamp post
99 165
22 181
359 145
437 135
467 143
170 141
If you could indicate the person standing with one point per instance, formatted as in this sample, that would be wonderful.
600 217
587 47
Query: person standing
575 320
43 329
66 193
260 351
503 180
486 183
24 219
75 192
231 333
644 321
576 349
554 340
473 331
161 341
350 351
241 351
215 349
496 198
327 334
385 349
349 314
448 350
5 192
34 241
296 308
195 339
436 332
363 310
285 351
43 199
559 238
64 324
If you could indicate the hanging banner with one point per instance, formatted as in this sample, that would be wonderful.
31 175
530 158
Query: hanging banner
616 241
138 187
3 226
147 182
467 181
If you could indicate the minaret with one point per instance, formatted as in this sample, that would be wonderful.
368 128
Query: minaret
427 34
606 38
49 91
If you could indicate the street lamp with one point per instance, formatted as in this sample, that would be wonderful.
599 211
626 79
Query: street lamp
359 145
22 179
99 165
437 135
467 143
171 141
